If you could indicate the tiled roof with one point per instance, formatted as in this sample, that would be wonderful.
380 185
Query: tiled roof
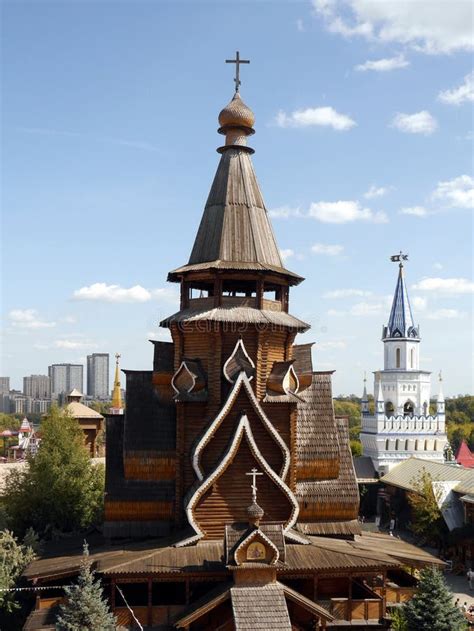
464 456
260 608
79 410
330 528
405 474
401 323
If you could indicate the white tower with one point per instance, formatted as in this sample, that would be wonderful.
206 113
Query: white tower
402 425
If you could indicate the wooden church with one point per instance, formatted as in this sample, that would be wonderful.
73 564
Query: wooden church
231 499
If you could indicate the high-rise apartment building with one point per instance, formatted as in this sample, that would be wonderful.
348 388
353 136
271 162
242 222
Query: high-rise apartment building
4 385
98 375
66 377
37 386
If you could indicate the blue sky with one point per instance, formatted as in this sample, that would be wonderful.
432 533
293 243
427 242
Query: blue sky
363 147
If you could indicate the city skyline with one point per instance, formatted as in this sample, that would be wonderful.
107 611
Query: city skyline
364 151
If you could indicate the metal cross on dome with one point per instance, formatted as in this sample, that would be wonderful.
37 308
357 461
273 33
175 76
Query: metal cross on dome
237 61
254 474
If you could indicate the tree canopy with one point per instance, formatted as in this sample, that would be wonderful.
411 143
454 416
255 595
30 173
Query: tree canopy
60 489
427 520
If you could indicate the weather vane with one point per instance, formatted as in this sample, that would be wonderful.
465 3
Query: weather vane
399 258
237 61
254 474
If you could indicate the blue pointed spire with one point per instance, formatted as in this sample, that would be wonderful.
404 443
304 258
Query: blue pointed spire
401 323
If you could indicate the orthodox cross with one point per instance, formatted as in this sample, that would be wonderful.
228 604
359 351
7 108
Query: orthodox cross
117 357
237 61
254 474
399 258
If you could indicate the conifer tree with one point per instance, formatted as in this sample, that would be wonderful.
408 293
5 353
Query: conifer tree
85 607
432 607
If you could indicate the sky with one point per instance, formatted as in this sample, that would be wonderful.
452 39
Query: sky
363 148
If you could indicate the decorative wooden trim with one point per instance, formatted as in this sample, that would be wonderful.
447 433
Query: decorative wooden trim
242 380
258 534
242 428
239 346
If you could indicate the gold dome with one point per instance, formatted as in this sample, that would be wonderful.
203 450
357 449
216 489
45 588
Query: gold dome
237 114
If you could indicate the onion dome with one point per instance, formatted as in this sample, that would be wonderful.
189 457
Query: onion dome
236 114
255 513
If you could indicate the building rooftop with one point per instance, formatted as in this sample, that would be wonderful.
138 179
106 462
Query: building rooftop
405 474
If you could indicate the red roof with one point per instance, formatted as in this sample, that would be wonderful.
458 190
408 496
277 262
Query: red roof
464 456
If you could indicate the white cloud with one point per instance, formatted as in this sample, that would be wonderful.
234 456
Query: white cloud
419 123
436 27
384 65
360 309
416 211
328 250
28 319
346 293
458 192
73 344
285 212
315 116
115 293
445 314
344 212
287 253
299 25
419 303
332 344
438 265
462 94
376 191
446 285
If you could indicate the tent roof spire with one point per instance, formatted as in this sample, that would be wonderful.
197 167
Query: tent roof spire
401 323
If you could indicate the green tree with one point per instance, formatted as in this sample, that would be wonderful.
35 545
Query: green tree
85 607
60 489
432 608
348 408
356 448
427 520
14 557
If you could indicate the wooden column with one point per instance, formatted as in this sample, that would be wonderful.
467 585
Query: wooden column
150 603
384 593
112 594
259 293
217 292
350 598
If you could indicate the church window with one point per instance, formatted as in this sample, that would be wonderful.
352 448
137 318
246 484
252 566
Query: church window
426 445
408 408
389 409
386 445
412 358
406 445
417 445
425 408
397 357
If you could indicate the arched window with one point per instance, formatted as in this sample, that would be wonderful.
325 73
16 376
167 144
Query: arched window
397 358
417 445
386 445
426 445
412 358
397 444
408 408
406 445
389 409
425 408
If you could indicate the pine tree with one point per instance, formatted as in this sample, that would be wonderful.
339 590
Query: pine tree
432 608
85 607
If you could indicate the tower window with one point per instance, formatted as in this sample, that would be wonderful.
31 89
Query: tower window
412 358
397 358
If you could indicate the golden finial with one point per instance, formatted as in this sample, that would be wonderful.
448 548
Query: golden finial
117 392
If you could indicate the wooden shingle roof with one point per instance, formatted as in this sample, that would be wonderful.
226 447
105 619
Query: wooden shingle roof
260 608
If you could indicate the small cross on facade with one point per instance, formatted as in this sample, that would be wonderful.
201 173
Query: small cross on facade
254 474
237 61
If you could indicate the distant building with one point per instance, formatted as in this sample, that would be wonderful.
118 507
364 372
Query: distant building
37 386
4 385
98 375
90 421
41 406
402 425
15 402
66 377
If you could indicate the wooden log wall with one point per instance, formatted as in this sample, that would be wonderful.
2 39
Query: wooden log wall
138 510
